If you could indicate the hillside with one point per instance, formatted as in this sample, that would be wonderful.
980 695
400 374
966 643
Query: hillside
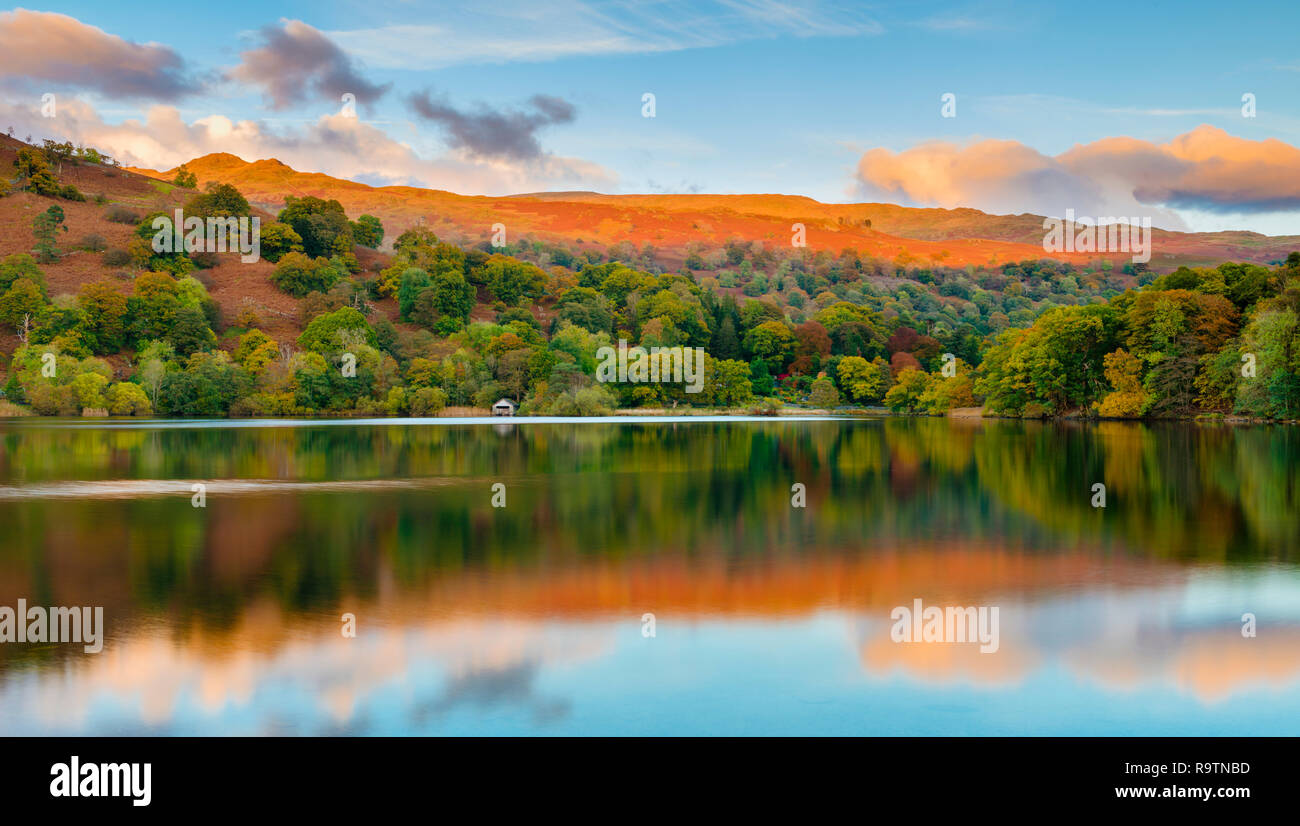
924 237
341 316
589 220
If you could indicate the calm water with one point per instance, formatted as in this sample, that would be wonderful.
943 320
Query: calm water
768 619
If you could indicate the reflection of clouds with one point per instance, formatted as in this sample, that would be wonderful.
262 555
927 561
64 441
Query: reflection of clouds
480 645
306 685
1123 639
511 685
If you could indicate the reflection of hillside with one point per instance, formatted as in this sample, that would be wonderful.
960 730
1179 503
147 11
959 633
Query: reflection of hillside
691 521
469 640
1207 492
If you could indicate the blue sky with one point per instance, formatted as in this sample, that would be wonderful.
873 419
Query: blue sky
756 96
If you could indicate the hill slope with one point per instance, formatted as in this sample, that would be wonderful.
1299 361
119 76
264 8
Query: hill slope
954 237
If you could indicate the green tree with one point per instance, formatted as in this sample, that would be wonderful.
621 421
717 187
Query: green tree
20 304
773 342
368 231
20 265
448 296
823 394
105 309
727 382
322 225
45 227
298 274
185 179
128 399
323 334
218 200
861 380
907 394
278 239
413 282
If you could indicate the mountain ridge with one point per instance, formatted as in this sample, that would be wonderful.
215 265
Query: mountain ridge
677 223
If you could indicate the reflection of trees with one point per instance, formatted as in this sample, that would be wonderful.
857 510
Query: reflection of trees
1174 490
612 492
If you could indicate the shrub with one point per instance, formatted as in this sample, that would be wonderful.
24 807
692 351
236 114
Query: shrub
92 243
119 214
824 394
426 401
128 399
117 258
205 260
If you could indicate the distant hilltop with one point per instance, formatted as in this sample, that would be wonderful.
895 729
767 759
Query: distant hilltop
677 224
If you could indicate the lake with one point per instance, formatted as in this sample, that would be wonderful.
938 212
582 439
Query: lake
660 576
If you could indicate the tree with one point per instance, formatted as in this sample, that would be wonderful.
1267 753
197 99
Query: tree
322 225
29 163
207 386
153 358
21 303
586 308
185 179
255 350
824 395
127 399
413 282
368 231
812 344
104 325
1124 372
278 239
861 380
1273 337
190 332
20 265
510 279
323 333
906 395
727 382
88 390
726 345
943 393
45 227
218 201
760 378
448 296
298 274
773 342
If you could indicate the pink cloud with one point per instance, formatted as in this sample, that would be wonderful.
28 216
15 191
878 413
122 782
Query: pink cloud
1205 169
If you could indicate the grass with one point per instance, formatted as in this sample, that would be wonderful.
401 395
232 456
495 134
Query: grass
8 410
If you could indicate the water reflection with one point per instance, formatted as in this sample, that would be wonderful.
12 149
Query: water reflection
770 619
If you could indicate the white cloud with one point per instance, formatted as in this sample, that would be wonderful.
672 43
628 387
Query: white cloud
336 145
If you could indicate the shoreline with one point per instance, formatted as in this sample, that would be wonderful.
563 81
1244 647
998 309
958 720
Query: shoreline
476 416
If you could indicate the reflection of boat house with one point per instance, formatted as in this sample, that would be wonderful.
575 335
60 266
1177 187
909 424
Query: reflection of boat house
504 407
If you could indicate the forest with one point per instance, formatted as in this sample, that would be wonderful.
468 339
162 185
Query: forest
433 325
